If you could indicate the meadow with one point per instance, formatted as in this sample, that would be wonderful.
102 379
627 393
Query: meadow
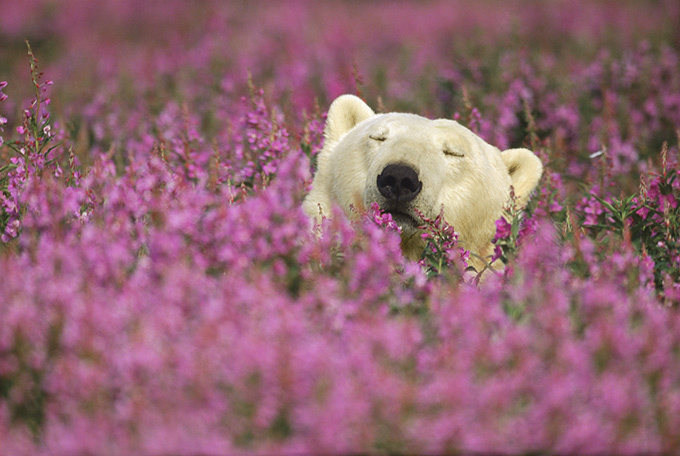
161 291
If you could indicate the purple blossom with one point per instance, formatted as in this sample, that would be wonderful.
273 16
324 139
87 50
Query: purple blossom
503 228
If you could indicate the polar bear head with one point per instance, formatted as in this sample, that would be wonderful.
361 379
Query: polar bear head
412 165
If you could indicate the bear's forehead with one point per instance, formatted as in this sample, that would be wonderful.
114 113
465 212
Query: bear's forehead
412 122
416 127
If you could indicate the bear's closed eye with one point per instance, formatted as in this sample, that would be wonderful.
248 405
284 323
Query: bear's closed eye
448 150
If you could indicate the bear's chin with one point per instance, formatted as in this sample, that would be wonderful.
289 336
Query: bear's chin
408 224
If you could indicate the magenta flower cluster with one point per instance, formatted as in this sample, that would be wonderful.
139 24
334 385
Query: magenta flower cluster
162 292
3 120
442 253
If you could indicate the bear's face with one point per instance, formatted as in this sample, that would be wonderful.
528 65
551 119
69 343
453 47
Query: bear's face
416 166
413 166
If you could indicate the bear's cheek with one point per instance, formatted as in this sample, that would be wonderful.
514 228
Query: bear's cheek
453 194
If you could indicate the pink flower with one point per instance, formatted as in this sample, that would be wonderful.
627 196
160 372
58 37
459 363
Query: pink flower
503 228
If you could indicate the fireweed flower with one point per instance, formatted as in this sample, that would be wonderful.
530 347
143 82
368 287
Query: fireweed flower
3 120
383 219
503 229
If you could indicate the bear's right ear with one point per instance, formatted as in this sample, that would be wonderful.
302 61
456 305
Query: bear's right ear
345 112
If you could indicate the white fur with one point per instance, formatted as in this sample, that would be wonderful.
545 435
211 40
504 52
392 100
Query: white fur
461 173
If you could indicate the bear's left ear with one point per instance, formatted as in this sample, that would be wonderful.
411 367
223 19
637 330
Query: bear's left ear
345 112
525 171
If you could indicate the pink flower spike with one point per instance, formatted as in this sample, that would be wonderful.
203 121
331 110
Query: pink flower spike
21 130
503 228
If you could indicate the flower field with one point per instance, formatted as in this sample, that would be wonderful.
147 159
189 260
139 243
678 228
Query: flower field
162 292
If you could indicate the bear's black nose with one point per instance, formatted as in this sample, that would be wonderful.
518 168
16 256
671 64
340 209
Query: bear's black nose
399 183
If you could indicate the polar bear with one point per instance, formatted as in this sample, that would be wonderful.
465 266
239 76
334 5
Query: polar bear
409 164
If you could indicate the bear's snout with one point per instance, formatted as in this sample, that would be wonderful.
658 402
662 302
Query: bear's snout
399 183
